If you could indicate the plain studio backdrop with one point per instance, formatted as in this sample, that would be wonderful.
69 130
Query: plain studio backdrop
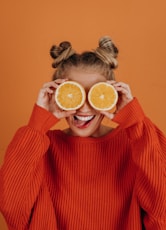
29 28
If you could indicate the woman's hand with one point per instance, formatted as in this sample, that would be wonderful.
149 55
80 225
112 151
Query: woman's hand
124 93
124 96
46 99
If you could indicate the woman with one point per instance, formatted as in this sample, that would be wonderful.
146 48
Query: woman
89 176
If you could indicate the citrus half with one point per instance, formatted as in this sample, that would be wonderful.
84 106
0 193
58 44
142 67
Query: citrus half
70 95
102 96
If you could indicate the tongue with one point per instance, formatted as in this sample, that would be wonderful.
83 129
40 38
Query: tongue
79 123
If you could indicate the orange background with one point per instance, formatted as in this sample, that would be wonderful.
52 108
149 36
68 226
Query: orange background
29 28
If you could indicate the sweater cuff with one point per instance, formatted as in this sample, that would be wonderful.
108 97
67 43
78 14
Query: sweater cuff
131 114
41 119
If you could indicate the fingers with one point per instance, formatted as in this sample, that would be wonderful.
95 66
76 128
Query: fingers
123 88
124 92
46 93
50 87
119 85
46 99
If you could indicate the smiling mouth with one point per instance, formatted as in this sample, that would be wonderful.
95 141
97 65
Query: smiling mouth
83 121
83 118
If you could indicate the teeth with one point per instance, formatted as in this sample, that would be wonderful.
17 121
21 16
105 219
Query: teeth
81 118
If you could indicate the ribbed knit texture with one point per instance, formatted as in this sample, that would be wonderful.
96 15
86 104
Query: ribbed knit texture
52 181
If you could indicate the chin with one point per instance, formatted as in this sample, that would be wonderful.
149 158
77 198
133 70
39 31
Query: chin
85 128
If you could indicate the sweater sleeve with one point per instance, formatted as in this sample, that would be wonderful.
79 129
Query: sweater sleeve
22 171
148 146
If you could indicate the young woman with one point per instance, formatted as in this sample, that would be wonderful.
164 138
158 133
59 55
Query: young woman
89 176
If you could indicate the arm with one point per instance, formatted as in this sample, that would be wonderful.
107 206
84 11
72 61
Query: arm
22 171
148 145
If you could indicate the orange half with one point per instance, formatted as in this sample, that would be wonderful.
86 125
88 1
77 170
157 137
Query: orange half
70 95
102 96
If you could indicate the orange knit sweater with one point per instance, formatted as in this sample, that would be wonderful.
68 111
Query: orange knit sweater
52 181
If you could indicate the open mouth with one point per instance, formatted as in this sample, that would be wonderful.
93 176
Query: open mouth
83 121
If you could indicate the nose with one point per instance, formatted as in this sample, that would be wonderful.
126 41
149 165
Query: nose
86 107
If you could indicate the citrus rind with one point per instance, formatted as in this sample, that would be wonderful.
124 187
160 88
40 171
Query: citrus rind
70 95
102 96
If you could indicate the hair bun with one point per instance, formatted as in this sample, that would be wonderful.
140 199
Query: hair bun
107 44
107 51
65 45
61 52
54 51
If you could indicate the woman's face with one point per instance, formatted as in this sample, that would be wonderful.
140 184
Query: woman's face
86 121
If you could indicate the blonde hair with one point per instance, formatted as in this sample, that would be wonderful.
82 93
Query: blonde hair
103 59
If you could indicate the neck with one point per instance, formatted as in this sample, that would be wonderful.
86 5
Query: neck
102 131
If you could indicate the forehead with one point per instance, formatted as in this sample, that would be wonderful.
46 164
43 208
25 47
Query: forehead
85 77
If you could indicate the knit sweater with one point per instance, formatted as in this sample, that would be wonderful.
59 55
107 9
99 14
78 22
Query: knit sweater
52 181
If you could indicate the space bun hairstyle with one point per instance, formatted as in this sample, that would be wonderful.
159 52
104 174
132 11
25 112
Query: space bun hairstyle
107 51
102 60
61 53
